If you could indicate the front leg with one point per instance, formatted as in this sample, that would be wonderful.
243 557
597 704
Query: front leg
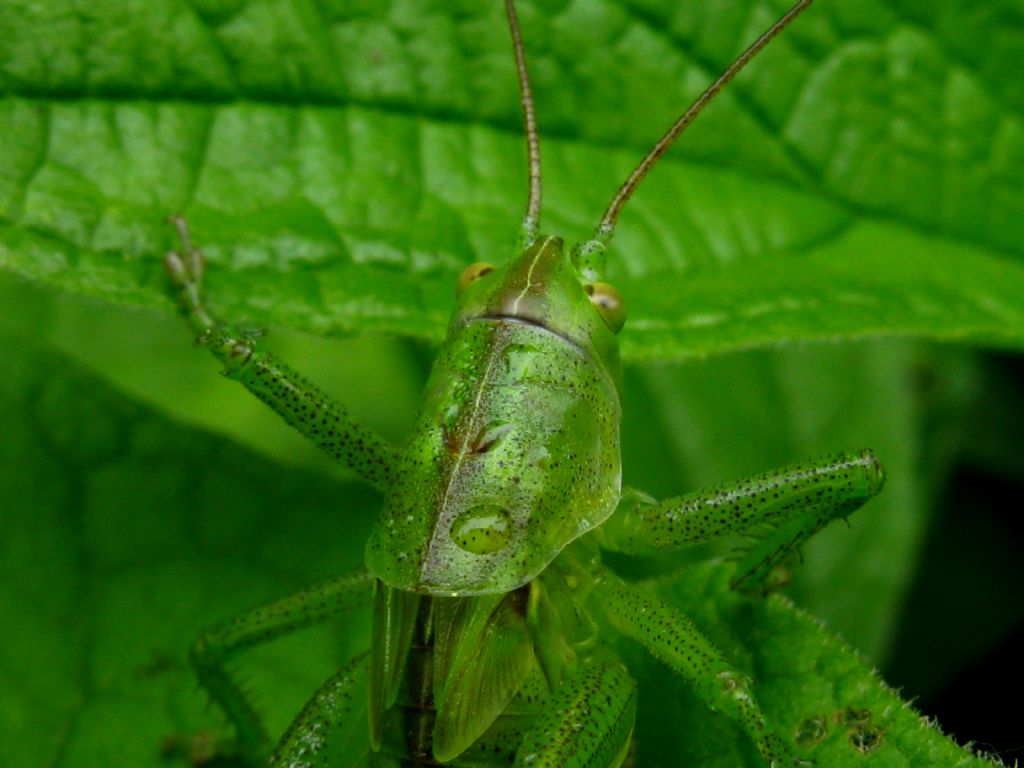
782 508
295 399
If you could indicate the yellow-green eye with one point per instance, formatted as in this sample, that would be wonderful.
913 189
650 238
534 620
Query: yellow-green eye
609 303
471 274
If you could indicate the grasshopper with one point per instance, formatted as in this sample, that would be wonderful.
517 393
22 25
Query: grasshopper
491 606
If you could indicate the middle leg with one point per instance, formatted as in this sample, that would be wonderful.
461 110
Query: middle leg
783 508
216 646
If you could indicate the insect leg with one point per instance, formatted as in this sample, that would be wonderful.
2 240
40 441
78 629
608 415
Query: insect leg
215 646
672 638
295 399
784 508
331 728
588 721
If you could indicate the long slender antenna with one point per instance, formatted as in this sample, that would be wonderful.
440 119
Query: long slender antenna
604 231
531 222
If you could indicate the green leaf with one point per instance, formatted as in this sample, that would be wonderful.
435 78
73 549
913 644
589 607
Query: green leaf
819 691
126 533
340 162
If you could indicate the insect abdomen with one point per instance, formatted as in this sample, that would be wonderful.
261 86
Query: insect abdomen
450 661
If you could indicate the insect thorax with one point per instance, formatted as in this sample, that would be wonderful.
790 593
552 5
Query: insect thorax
516 454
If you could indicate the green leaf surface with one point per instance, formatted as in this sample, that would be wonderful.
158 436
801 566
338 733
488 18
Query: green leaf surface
339 162
127 532
820 693
124 534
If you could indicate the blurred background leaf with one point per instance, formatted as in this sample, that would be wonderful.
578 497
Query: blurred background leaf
340 162
130 532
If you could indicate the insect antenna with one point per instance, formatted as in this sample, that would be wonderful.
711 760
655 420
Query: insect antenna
590 250
531 221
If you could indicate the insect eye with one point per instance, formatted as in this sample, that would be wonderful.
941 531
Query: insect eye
471 274
609 303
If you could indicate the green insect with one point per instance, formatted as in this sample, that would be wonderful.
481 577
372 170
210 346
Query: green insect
491 606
